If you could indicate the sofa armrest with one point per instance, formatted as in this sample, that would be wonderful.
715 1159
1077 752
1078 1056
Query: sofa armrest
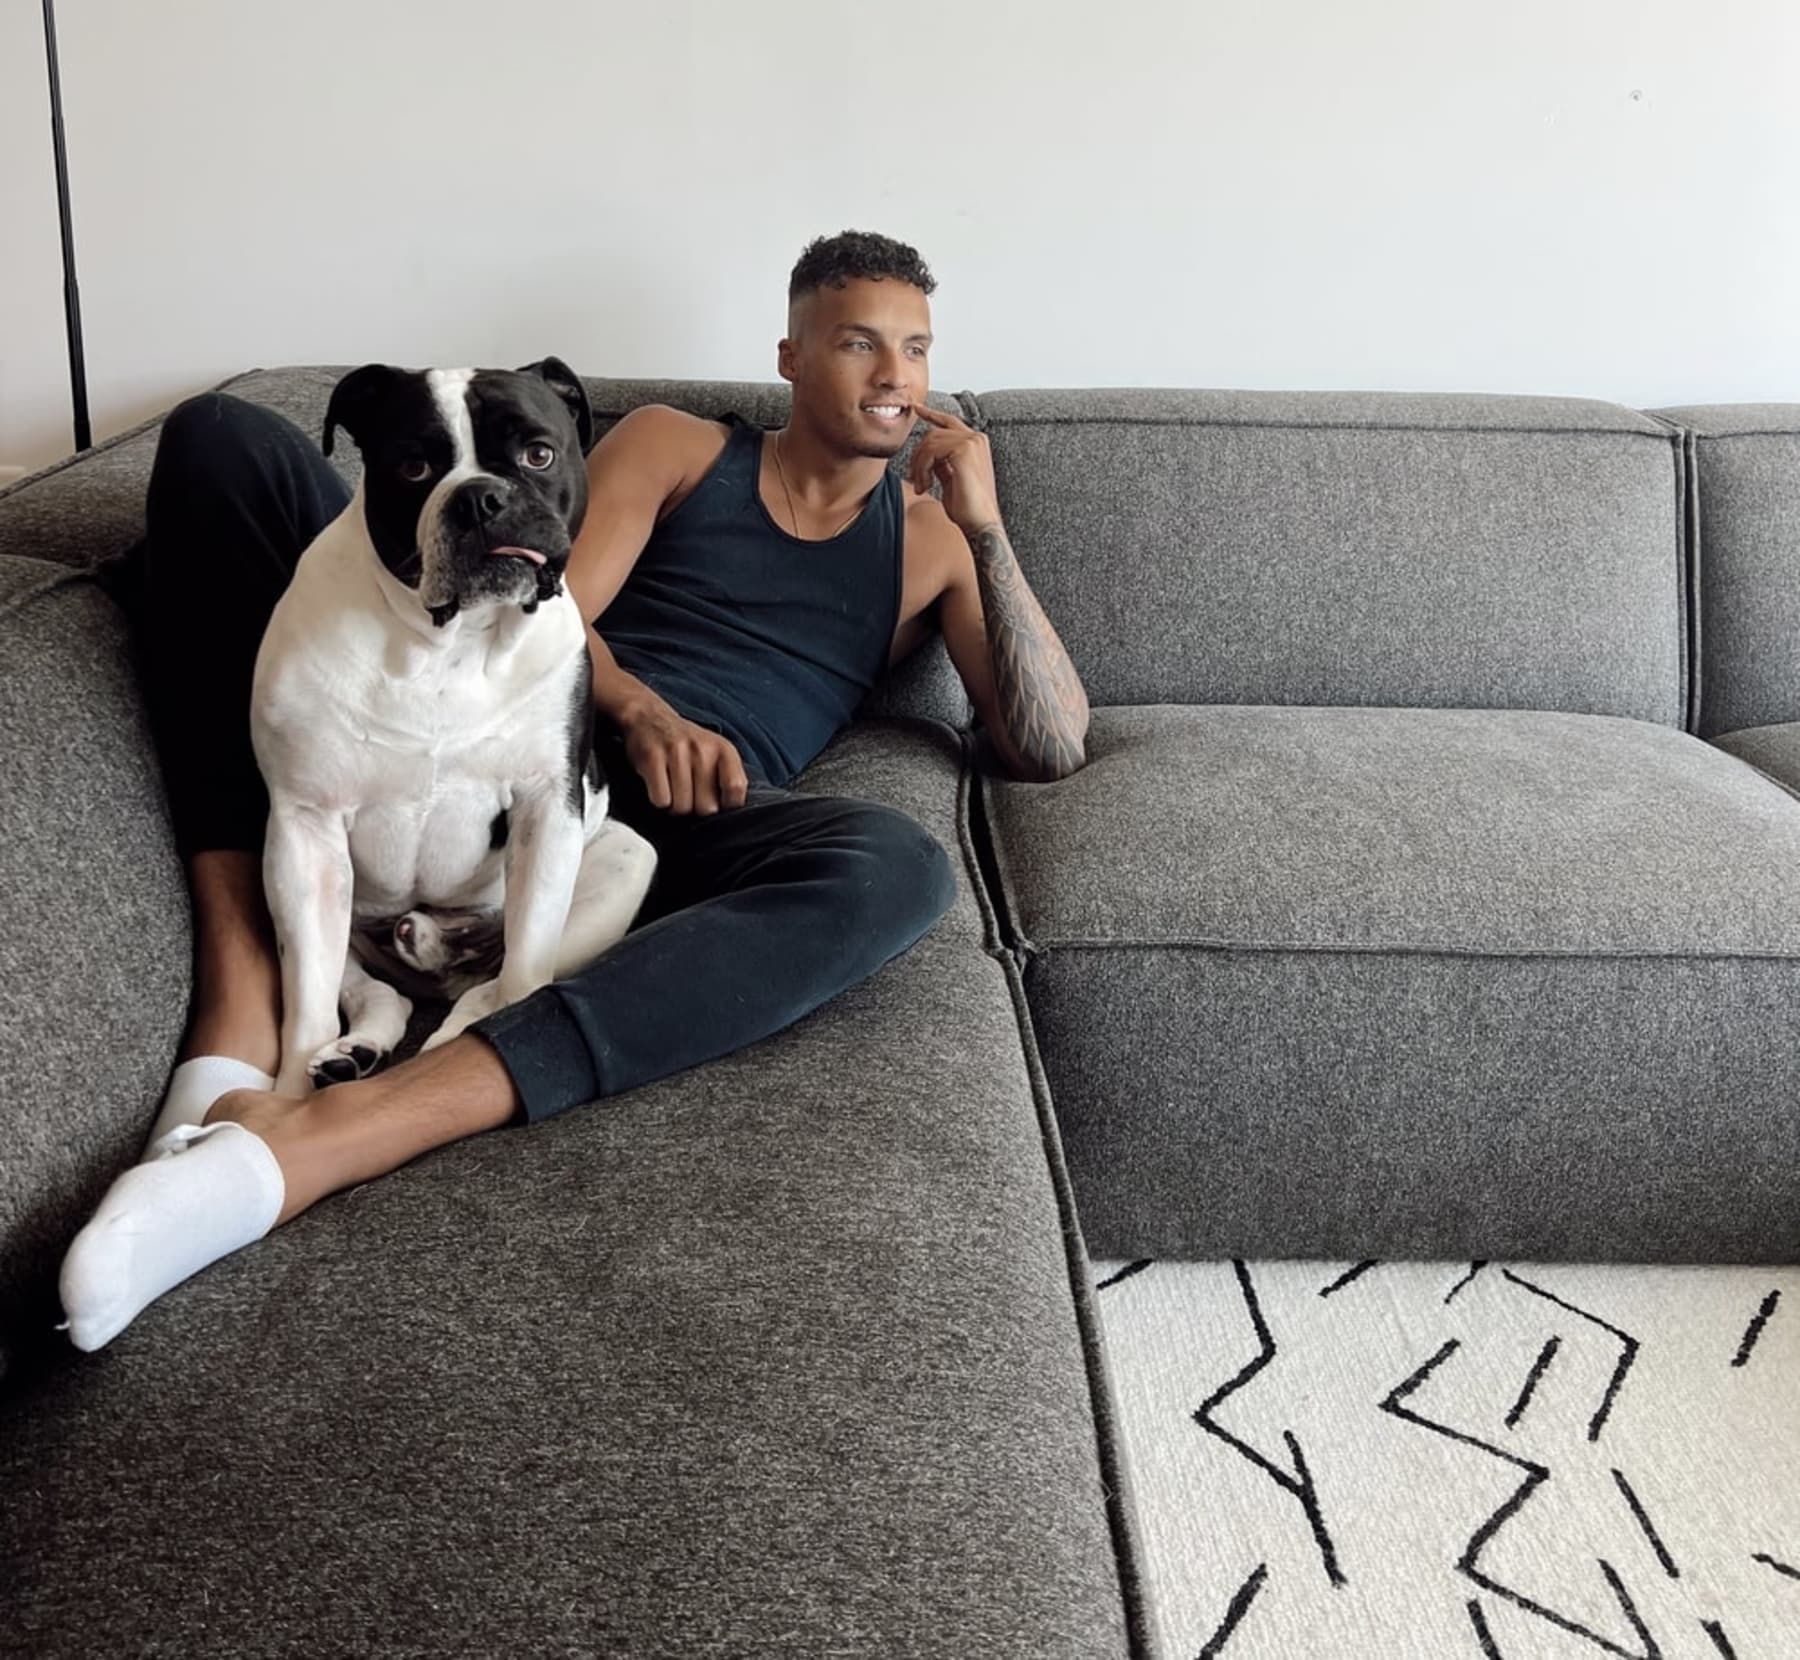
94 942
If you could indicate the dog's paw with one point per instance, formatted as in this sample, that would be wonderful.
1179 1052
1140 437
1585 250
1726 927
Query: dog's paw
342 1062
477 1003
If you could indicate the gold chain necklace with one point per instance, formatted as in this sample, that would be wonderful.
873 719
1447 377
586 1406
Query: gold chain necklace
793 517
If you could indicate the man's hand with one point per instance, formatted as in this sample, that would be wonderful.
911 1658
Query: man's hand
958 457
685 768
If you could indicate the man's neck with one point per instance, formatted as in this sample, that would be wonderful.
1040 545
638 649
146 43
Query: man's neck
823 479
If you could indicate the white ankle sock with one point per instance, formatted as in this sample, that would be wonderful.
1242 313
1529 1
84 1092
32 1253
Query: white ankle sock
195 1085
204 1194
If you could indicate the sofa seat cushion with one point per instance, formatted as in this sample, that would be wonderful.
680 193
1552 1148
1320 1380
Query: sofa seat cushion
1444 830
780 1356
1362 983
1772 750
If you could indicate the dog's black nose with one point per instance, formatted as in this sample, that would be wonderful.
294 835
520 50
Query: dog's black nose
478 502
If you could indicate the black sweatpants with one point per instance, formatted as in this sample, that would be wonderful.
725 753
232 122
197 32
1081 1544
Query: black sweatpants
757 916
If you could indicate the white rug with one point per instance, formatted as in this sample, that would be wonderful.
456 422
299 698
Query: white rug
1400 1460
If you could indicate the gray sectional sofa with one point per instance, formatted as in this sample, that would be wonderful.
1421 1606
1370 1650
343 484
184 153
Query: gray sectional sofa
1433 889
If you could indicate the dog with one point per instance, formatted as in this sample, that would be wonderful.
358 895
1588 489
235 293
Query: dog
422 715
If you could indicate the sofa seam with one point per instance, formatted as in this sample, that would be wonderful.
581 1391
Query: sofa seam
1001 422
1693 573
993 941
64 576
1754 432
1012 938
1051 944
1114 1475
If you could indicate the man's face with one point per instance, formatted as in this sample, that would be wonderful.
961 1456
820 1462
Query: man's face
858 359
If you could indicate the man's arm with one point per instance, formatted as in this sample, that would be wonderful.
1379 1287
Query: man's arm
643 461
1019 677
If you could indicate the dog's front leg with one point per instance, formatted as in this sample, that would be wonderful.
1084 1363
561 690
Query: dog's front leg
309 883
543 858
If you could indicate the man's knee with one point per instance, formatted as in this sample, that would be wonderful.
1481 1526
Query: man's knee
903 880
210 436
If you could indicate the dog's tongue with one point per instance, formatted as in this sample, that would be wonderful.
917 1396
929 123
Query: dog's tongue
518 553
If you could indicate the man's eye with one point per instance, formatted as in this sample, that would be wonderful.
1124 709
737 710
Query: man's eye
537 456
415 471
856 345
916 351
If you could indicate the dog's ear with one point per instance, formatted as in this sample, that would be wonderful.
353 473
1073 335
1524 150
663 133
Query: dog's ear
566 384
354 398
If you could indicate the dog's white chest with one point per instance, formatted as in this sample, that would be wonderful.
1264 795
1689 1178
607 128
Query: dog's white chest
418 743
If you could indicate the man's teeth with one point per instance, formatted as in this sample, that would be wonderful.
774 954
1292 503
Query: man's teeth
890 410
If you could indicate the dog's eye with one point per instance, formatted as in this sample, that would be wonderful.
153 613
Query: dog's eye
537 456
415 471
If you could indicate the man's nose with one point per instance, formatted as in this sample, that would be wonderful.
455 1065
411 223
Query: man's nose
891 370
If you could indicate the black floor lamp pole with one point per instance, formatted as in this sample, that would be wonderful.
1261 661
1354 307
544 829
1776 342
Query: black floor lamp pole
78 402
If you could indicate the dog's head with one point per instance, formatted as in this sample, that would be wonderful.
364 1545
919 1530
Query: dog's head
474 480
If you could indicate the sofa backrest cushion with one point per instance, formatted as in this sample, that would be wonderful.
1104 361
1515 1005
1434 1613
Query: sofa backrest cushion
1340 548
1746 473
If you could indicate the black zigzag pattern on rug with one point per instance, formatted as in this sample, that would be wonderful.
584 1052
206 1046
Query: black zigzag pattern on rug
1297 1480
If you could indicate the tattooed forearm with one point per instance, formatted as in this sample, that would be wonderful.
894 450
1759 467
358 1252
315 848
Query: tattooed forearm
1042 706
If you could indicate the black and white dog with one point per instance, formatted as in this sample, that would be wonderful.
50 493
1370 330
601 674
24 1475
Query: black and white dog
423 720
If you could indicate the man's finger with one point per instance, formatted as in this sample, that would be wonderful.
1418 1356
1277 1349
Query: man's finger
940 418
681 780
735 780
654 771
932 448
706 783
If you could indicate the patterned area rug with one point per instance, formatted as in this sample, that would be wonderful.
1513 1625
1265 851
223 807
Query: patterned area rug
1506 1462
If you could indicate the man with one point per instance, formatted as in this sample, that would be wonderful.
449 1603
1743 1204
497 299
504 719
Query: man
748 590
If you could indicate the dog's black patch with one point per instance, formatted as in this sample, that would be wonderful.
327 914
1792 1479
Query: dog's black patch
584 760
497 831
398 425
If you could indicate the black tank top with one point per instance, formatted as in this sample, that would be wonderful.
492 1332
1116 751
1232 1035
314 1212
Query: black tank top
742 628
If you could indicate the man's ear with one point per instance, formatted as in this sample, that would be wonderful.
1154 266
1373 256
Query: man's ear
785 353
354 399
566 384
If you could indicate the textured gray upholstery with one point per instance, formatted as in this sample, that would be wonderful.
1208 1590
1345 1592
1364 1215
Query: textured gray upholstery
94 951
1240 547
776 1357
1774 750
1746 459
1414 983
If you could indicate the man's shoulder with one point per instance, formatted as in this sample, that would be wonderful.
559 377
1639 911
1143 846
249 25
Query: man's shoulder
662 426
666 450
929 533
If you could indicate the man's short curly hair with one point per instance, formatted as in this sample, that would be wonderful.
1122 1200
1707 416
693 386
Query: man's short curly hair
832 261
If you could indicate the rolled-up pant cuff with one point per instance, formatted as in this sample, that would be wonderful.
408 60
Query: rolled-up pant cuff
544 1051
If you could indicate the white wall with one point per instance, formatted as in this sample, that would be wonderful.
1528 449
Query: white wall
1598 197
34 364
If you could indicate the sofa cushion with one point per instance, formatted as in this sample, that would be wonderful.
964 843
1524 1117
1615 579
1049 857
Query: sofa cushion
1746 460
780 1356
1401 829
1337 548
1348 982
1773 750
90 508
94 954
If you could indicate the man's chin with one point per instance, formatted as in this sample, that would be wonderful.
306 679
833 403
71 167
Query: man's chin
880 446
